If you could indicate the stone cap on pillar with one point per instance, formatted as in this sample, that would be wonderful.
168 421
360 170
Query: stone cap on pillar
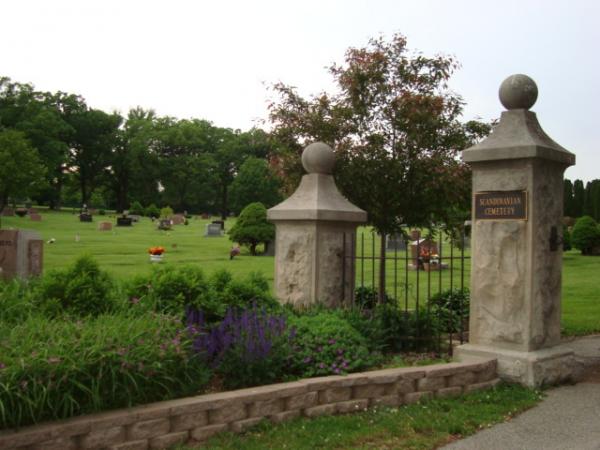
518 135
317 198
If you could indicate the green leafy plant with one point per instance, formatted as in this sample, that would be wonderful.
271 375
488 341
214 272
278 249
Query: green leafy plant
252 227
585 235
326 344
82 289
166 212
54 369
136 208
451 307
152 211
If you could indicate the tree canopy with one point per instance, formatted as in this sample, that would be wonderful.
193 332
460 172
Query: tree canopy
252 227
394 125
21 169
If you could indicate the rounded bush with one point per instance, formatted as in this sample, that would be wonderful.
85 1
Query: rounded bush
82 289
326 344
585 235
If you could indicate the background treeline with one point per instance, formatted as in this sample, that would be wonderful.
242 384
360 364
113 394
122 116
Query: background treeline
82 155
582 200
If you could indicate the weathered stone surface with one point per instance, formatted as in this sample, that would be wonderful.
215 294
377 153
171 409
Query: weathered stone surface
203 433
189 421
148 429
481 386
111 419
286 415
415 397
335 395
431 383
334 381
323 410
242 425
168 440
265 407
315 227
369 391
103 438
227 414
131 445
535 368
64 443
405 386
388 400
516 272
302 401
352 406
449 391
462 379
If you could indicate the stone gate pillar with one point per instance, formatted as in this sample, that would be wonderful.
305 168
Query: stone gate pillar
315 227
516 244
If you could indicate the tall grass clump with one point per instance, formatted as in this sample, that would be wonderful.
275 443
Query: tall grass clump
54 369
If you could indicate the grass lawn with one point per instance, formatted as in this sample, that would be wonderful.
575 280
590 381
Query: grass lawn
123 253
425 425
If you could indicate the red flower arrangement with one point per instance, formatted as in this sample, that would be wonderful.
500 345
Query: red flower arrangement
156 250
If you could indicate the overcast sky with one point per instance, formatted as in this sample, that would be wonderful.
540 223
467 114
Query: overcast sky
212 59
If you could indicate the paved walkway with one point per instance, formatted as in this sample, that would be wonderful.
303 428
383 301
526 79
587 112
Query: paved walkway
567 419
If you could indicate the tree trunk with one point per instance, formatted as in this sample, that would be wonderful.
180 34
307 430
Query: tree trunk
381 290
224 212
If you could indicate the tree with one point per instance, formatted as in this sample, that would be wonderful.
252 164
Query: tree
42 117
93 143
184 150
252 227
578 198
21 169
569 203
255 182
395 127
585 235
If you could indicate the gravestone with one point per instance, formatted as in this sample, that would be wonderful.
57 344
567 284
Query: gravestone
92 211
205 216
21 254
165 224
8 212
221 223
124 221
135 217
21 212
178 219
35 217
314 229
31 211
516 265
213 230
85 217
420 246
104 226
395 242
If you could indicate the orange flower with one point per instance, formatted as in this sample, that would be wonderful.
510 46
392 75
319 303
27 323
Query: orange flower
156 250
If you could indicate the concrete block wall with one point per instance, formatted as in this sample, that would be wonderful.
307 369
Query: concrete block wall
161 425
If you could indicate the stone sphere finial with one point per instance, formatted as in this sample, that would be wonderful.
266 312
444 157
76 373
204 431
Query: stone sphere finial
318 158
518 92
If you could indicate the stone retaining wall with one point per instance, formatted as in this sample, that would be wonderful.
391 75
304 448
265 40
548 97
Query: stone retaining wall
160 425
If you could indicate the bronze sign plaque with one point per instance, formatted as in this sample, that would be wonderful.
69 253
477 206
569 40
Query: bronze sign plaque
501 205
